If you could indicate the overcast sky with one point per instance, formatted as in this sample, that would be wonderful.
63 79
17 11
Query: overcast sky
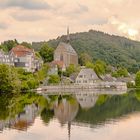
38 20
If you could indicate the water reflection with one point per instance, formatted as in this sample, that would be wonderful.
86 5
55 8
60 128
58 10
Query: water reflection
83 109
86 100
22 120
65 110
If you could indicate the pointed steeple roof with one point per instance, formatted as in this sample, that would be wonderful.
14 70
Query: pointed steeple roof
68 35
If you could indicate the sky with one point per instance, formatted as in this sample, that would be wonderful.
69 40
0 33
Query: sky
39 20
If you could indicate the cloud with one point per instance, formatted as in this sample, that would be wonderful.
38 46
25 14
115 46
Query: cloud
26 4
3 26
46 19
83 8
122 27
26 16
96 21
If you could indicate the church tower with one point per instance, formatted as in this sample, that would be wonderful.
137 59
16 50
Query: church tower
68 35
65 52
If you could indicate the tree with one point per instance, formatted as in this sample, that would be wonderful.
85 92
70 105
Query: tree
26 44
121 72
9 44
90 65
100 67
84 58
8 79
46 53
54 79
70 70
137 79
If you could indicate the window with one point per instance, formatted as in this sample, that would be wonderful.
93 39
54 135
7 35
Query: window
84 81
80 76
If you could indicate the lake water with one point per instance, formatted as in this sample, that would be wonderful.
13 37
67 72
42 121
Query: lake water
82 116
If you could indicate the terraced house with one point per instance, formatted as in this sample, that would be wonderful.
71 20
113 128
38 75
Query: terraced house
25 58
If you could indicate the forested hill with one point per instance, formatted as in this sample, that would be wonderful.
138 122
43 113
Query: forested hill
112 49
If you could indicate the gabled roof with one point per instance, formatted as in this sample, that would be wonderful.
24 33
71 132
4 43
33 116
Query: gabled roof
90 74
67 47
21 51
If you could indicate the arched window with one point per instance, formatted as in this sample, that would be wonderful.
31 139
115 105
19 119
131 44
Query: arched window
61 57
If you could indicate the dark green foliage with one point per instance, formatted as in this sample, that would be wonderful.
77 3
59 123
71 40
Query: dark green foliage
108 108
69 70
54 79
114 50
47 53
8 45
26 44
9 81
30 80
121 72
37 45
16 79
99 67
84 58
137 79
47 115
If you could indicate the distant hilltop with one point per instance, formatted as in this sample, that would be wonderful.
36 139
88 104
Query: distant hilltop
114 50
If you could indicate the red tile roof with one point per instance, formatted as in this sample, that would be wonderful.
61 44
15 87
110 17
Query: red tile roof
59 63
20 50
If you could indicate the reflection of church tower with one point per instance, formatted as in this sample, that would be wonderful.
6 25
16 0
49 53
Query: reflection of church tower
65 111
69 129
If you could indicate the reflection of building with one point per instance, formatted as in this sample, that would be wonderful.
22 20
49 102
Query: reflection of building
86 100
86 76
65 53
65 111
26 118
22 120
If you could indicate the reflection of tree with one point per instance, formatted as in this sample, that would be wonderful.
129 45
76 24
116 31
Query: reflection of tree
47 115
4 110
20 111
112 108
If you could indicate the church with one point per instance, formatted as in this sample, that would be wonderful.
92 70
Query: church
65 53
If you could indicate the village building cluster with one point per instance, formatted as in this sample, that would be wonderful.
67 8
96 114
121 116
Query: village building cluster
64 56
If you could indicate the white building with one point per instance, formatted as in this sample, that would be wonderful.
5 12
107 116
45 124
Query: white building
25 58
6 58
86 76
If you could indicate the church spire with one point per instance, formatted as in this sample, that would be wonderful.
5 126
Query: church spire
68 35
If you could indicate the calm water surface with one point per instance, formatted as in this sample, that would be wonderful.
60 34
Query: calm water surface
82 116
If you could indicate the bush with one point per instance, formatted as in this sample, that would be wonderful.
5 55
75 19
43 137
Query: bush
137 79
54 79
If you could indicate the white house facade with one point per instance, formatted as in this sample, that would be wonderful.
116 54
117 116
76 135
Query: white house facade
86 76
